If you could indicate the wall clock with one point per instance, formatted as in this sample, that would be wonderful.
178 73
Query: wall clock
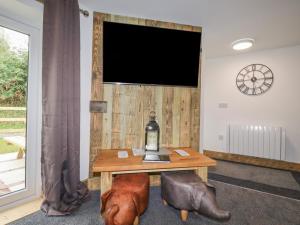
254 79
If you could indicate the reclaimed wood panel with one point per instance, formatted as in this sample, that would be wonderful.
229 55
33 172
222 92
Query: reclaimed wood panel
128 106
97 87
176 118
185 117
167 116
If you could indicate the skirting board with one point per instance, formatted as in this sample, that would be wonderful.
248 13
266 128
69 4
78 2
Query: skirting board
270 163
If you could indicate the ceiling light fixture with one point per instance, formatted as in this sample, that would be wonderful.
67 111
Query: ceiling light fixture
242 44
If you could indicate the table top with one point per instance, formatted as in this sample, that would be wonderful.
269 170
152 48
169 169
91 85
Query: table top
108 161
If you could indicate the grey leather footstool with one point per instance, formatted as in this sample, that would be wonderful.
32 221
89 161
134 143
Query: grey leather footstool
186 191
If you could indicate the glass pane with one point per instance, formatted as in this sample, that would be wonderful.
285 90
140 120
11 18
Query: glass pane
13 89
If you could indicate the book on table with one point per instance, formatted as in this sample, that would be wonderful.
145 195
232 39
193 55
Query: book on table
156 158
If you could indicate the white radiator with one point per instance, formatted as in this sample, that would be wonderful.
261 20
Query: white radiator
256 140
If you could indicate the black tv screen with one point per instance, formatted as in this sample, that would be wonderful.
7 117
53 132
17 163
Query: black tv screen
134 54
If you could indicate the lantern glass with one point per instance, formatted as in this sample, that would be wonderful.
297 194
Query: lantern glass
152 134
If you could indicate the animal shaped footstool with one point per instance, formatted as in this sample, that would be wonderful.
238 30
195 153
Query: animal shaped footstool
127 199
186 191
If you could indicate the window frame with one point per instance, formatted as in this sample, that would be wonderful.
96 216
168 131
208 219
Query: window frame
34 112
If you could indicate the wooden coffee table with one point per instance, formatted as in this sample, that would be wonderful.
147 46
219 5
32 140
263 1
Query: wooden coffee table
108 163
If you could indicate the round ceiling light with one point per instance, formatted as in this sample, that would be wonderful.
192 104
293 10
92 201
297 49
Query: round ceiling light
242 44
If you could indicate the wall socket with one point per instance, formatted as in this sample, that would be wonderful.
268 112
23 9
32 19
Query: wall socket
223 105
220 137
98 106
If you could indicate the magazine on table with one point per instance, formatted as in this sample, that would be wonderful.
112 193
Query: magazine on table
156 158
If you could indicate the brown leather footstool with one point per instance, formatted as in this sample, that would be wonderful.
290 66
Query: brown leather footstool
186 191
127 199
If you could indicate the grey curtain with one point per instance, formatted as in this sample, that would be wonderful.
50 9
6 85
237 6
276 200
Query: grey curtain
62 189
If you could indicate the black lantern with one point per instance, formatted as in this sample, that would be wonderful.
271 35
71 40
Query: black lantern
152 134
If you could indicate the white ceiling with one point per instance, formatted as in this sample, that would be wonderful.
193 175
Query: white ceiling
272 23
28 11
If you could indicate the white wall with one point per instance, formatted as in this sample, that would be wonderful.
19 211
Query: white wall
279 106
28 12
86 35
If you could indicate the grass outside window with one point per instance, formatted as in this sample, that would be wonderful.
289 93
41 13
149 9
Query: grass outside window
12 113
6 147
12 125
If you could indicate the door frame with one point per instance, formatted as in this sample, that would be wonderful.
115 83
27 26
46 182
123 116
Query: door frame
34 112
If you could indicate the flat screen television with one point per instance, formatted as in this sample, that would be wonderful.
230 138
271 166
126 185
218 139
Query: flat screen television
134 54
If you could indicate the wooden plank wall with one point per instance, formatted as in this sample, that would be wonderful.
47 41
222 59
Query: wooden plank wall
177 108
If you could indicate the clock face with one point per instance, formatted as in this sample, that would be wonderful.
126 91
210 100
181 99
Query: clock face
254 79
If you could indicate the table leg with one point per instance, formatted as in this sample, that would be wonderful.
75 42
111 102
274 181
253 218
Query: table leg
202 172
106 181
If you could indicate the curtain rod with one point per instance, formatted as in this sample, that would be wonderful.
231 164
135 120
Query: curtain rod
82 11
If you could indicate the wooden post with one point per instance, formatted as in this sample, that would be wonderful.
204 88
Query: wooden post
21 153
184 215
165 202
106 181
136 221
202 172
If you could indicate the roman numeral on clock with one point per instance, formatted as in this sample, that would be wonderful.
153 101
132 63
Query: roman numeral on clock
241 86
261 90
267 84
268 71
246 90
247 70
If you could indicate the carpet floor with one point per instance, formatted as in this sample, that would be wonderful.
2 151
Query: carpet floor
248 207
273 181
258 174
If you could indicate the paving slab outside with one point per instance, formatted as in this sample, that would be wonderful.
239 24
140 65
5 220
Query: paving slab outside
12 166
